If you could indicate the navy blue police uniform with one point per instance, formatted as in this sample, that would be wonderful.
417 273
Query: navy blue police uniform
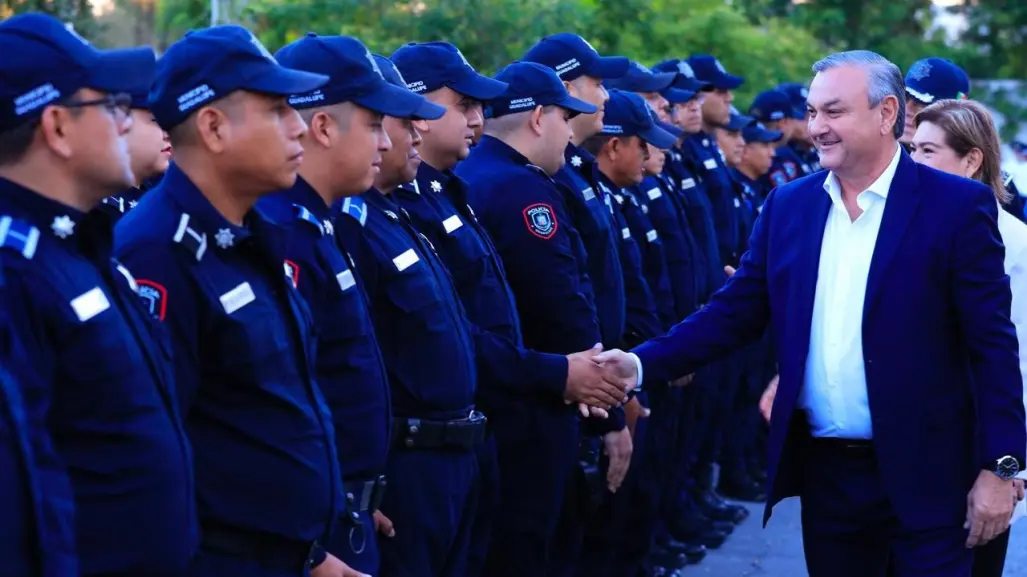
807 152
350 369
776 106
1017 205
268 484
104 385
520 208
429 354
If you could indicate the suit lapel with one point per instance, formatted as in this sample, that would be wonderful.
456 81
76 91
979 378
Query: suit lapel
903 200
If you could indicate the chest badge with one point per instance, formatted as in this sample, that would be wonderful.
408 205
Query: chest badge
224 238
63 226
576 161
436 186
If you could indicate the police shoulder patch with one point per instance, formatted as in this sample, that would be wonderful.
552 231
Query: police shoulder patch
354 207
19 236
292 272
778 177
154 297
541 220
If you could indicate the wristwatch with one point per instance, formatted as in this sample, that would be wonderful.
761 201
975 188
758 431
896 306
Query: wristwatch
1006 467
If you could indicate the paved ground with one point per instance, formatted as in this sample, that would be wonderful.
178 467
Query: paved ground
777 550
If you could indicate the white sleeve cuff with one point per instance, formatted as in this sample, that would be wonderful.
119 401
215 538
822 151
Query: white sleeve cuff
638 369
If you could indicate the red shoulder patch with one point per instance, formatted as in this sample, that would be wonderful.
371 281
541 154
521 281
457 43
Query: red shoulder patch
292 271
154 297
541 220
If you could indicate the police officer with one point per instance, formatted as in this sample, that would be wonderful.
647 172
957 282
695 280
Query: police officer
267 477
343 149
927 81
776 111
104 382
148 147
800 141
518 203
757 159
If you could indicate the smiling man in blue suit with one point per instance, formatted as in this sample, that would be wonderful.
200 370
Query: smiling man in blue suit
899 419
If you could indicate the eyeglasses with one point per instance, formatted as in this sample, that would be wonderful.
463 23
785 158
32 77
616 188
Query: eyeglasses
117 105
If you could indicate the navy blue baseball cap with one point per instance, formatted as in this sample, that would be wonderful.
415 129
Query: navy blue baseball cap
709 69
641 79
207 65
1018 146
737 121
45 62
673 130
756 132
354 76
571 56
627 114
685 79
797 93
931 79
530 84
430 66
428 110
677 95
772 105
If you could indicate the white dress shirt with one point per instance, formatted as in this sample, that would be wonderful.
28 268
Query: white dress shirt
834 393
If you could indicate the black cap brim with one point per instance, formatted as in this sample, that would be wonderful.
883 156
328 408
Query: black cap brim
609 67
658 137
677 95
674 131
397 102
479 87
282 81
577 106
120 70
738 122
728 82
766 136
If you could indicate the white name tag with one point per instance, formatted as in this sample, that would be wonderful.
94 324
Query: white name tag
452 223
687 183
89 304
237 298
650 236
588 193
654 193
738 203
406 259
625 232
345 279
710 164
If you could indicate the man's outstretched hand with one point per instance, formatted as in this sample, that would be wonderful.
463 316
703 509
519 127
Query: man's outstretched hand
586 382
618 368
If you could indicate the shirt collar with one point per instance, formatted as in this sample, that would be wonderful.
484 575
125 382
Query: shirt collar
879 187
304 195
202 214
52 217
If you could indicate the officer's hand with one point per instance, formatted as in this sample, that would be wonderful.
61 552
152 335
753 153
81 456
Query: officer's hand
585 383
333 567
618 447
729 271
633 411
618 368
767 400
383 525
683 381
594 412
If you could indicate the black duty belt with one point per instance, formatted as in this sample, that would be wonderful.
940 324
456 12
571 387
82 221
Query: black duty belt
364 496
270 551
425 434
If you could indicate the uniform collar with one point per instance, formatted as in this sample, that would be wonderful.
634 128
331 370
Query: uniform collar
741 177
202 214
430 180
49 216
582 162
304 195
495 148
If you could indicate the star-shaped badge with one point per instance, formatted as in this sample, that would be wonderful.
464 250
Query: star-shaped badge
329 227
436 186
576 161
132 203
63 226
224 238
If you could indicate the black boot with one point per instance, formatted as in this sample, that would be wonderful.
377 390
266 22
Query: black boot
707 497
694 527
693 552
742 488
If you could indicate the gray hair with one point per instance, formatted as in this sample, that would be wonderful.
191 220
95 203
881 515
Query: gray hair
883 79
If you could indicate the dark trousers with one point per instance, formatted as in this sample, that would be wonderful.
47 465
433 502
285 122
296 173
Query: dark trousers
850 530
537 450
990 560
430 502
487 498
212 564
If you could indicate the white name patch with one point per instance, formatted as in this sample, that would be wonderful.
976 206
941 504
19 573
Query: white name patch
89 304
452 223
405 260
237 298
345 279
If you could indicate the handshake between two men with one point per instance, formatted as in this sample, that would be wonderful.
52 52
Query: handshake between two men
598 380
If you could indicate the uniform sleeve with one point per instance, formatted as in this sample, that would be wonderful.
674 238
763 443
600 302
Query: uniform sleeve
983 301
506 366
535 239
306 270
680 269
736 315
171 293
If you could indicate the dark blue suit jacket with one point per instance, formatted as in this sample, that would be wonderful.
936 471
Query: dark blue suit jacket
939 348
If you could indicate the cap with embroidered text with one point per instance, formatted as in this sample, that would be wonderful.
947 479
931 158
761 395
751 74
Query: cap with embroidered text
628 114
430 66
571 56
45 62
207 65
427 110
530 84
931 79
756 132
709 69
641 79
771 106
354 76
797 93
685 79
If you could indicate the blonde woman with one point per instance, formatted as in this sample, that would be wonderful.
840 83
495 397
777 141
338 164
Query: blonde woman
959 137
